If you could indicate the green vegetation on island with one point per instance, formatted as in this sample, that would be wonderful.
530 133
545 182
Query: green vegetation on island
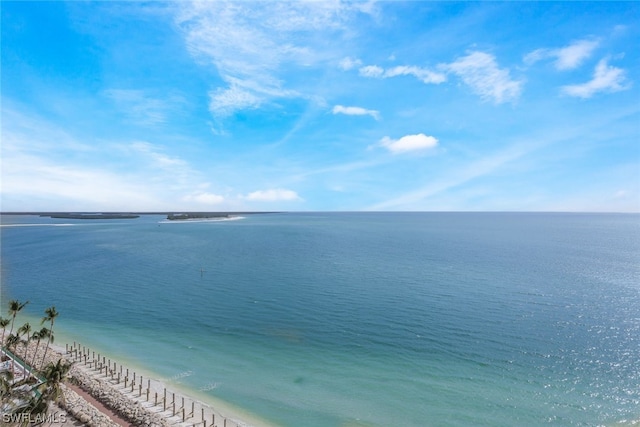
185 216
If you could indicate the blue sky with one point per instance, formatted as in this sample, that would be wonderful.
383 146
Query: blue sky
471 106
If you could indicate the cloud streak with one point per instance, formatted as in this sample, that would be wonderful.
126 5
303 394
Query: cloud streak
606 79
140 108
566 58
251 43
478 70
481 73
425 75
273 195
355 111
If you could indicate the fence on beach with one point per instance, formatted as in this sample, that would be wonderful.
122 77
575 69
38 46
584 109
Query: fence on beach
149 393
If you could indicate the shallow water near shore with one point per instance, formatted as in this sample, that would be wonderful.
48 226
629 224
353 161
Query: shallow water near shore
355 319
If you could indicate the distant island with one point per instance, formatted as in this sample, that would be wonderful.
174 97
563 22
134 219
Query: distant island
91 216
132 215
187 216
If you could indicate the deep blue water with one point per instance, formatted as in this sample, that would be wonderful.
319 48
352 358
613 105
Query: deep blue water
349 319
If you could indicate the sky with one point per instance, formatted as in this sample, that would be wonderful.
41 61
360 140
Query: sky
323 105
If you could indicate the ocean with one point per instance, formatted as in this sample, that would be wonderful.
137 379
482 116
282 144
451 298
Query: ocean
354 319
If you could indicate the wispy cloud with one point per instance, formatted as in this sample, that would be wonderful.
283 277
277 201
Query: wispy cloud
204 198
349 63
481 167
606 78
140 108
481 73
425 75
50 169
250 44
566 58
478 70
273 195
355 111
409 143
154 157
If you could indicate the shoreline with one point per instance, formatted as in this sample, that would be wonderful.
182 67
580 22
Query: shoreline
145 398
101 392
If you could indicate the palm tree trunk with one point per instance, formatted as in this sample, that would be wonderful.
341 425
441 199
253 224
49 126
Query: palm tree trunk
48 342
33 359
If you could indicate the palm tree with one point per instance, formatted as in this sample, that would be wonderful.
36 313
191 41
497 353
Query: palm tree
14 308
12 341
25 330
54 375
42 333
30 404
4 323
51 315
6 380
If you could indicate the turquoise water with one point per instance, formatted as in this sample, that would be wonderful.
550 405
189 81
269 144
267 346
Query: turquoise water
356 319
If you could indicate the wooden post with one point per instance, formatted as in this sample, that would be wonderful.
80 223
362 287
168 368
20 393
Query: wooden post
202 416
183 414
164 401
192 408
174 404
118 377
147 394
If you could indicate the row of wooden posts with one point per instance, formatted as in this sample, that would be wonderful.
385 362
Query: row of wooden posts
99 363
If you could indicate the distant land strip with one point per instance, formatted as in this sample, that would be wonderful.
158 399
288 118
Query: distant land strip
133 215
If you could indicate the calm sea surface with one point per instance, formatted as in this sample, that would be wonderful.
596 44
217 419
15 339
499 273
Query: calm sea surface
356 319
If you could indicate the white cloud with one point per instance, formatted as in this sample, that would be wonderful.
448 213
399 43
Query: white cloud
355 111
425 75
480 71
573 55
566 58
409 143
273 195
204 198
350 63
224 102
251 44
371 71
605 79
